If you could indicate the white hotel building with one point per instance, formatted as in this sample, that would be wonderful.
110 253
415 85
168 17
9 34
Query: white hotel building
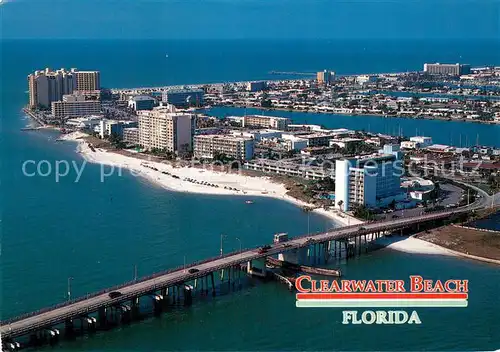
368 181
236 147
262 121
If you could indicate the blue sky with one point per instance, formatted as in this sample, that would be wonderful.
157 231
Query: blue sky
228 19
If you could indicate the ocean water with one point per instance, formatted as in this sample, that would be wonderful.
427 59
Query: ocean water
97 231
454 133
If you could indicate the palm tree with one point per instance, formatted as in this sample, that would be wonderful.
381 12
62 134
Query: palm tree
340 203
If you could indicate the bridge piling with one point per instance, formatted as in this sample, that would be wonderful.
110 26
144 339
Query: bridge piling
102 317
69 328
135 311
213 284
188 297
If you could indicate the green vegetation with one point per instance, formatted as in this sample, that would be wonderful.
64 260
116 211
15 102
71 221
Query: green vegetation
116 141
362 212
162 153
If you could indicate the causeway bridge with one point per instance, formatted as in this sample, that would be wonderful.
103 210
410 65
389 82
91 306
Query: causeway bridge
168 282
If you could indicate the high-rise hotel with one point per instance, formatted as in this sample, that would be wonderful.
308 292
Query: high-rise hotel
369 181
49 86
163 128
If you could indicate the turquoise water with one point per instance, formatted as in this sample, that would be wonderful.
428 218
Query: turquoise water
96 232
442 132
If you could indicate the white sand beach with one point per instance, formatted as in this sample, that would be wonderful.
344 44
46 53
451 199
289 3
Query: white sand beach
414 245
73 136
206 181
196 180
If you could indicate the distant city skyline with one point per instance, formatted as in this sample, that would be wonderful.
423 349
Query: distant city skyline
225 19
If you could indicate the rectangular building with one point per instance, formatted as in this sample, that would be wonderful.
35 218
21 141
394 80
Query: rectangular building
109 127
87 80
447 69
364 79
47 86
277 123
325 77
346 142
142 102
256 86
236 147
184 97
421 141
162 129
131 135
75 105
367 181
293 142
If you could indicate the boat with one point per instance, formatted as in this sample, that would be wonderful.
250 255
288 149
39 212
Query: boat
249 202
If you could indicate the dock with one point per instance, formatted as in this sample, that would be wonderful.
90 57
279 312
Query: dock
304 268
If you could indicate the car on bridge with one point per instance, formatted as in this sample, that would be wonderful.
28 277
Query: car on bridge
193 270
114 294
264 249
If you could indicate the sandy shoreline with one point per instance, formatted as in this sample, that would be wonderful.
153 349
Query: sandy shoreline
196 180
228 184
414 245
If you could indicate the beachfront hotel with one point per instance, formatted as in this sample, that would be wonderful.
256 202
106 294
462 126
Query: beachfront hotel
48 86
447 69
87 80
277 123
369 181
74 105
163 128
236 147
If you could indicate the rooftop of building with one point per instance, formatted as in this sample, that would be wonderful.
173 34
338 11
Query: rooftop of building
366 158
348 139
224 137
185 90
420 137
268 117
142 98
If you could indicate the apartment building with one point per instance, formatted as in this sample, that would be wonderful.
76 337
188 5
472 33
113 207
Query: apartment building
277 123
131 135
447 69
87 80
367 181
161 128
47 86
75 105
236 147
325 77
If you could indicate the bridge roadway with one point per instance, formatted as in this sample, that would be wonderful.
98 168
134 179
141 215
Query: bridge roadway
51 316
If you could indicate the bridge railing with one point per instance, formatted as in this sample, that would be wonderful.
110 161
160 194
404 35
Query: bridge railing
178 268
117 287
